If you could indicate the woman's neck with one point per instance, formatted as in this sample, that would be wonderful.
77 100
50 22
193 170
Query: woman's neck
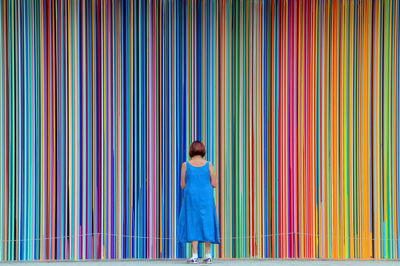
197 157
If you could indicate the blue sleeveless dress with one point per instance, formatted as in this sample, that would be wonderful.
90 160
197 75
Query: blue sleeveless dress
198 217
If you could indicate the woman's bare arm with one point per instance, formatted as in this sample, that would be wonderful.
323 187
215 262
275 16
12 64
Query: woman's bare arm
214 182
183 175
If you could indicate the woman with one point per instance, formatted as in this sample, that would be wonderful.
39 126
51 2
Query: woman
198 218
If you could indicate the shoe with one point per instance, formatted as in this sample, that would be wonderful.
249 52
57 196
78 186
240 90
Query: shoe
192 261
207 261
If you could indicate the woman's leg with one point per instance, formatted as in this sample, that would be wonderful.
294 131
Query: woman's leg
208 248
194 247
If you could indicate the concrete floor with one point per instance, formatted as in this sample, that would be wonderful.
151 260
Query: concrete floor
236 262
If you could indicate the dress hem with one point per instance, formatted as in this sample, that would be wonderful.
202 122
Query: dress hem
200 241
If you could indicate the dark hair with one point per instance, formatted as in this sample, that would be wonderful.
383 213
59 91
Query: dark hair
197 148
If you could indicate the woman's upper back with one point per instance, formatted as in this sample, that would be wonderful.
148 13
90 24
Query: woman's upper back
197 173
198 162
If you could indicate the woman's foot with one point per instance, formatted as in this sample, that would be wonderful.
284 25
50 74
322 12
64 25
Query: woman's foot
207 261
192 261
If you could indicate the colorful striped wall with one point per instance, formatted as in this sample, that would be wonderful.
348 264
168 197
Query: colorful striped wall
298 103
